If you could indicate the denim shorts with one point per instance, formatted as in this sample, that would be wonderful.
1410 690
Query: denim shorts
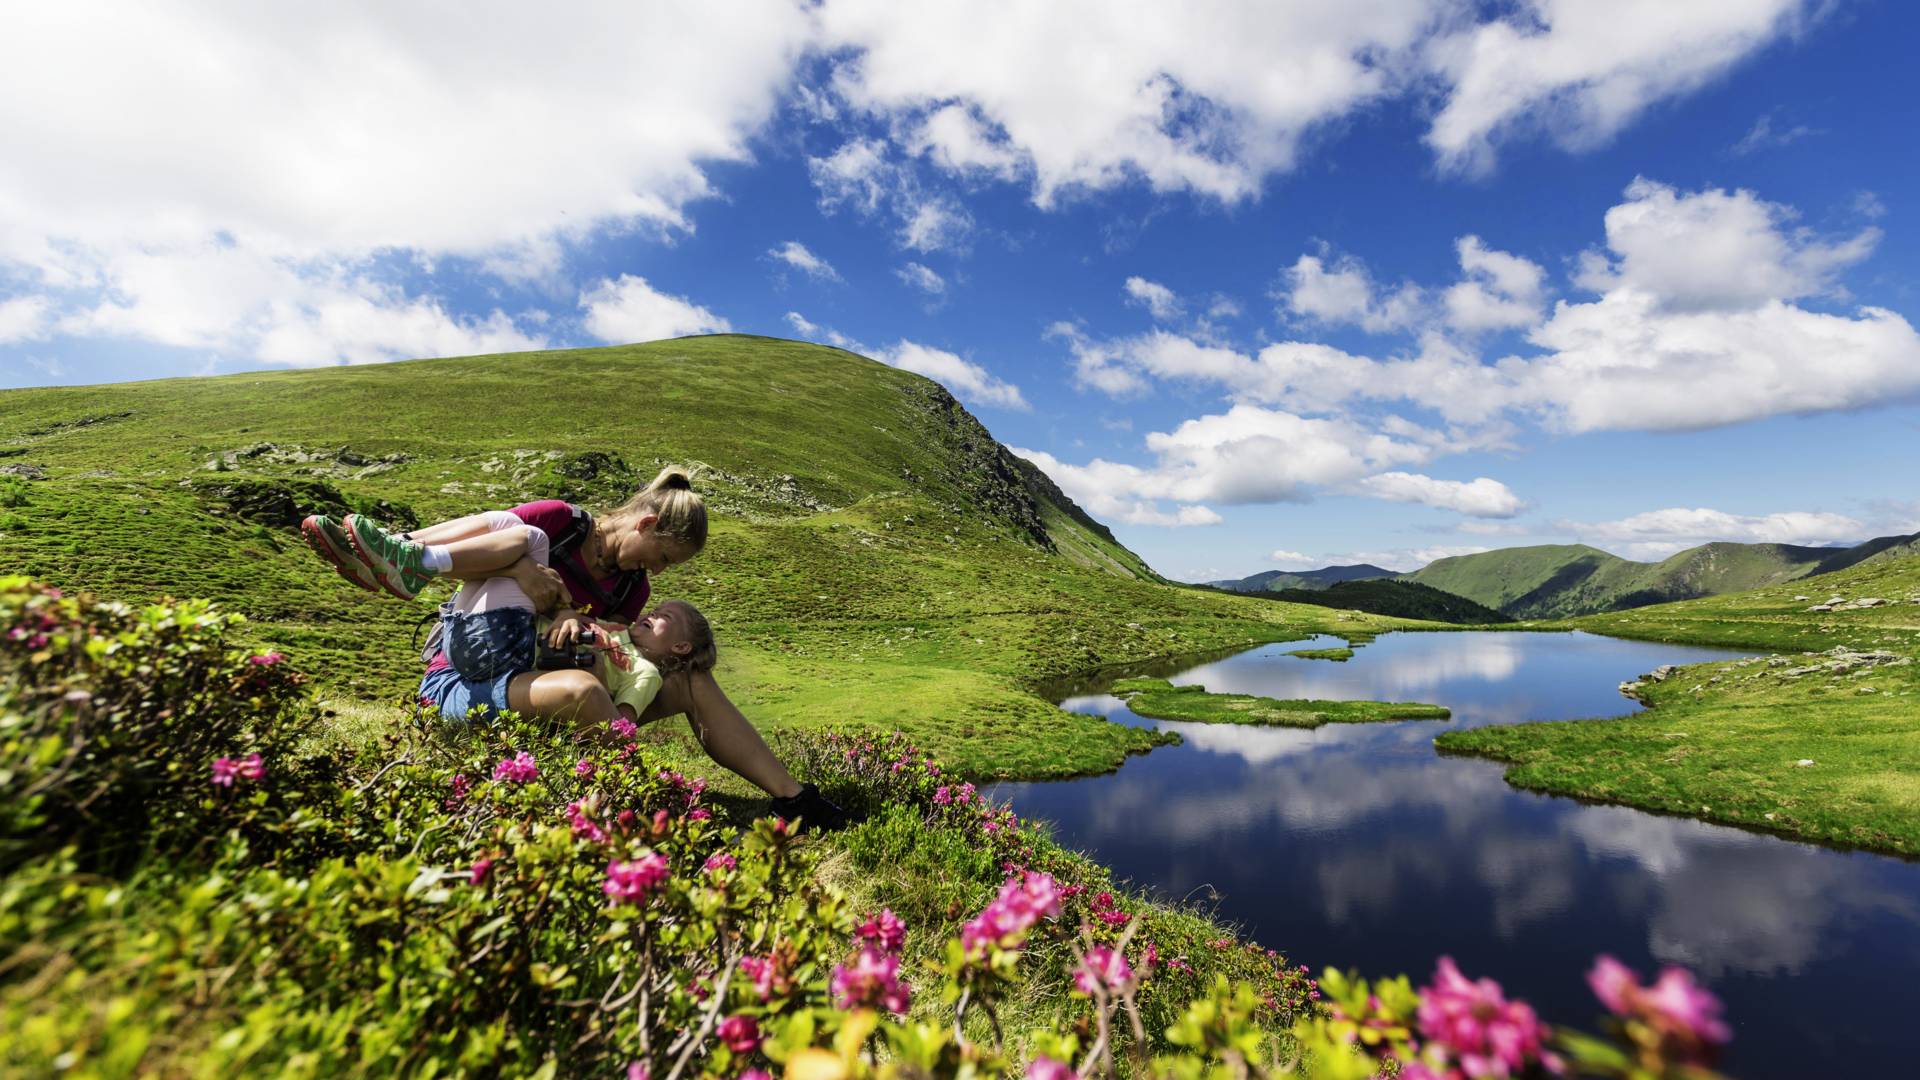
457 697
488 644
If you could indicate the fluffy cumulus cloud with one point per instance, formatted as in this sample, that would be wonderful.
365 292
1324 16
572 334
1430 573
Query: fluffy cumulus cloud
1696 324
1501 291
629 309
23 318
1662 532
217 134
1110 490
1401 560
1345 294
795 254
1482 497
1582 70
1159 300
1214 96
968 380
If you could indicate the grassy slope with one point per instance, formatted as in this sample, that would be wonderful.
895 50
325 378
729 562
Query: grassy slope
871 587
1724 740
1162 700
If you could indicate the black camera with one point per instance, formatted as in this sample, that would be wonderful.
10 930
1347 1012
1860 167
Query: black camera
579 655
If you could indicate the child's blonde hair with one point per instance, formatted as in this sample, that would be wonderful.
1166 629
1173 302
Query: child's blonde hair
679 511
705 652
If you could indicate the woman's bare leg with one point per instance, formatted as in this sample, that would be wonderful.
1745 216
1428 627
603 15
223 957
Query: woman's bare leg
726 734
478 550
446 532
570 695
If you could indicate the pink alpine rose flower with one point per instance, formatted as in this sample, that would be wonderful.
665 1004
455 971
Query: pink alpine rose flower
584 768
224 770
1473 1020
872 980
1685 1016
520 768
740 1033
1046 1068
628 882
885 930
481 868
1103 968
252 768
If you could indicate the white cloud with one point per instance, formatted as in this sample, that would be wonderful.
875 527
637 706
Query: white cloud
813 331
1159 300
922 278
1482 497
1762 136
968 380
858 174
796 255
631 310
936 224
960 143
1404 560
1104 489
1346 294
1501 291
1680 527
1223 307
1715 250
1583 70
1292 560
23 318
232 301
1207 100
1694 328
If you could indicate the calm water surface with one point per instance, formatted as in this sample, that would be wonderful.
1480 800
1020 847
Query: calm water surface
1357 845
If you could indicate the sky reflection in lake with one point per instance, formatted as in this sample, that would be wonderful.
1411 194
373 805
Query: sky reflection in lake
1358 845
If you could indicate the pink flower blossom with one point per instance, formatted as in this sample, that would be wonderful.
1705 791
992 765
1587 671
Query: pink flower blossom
1114 918
756 1074
942 795
580 819
519 768
1489 1035
1103 968
719 861
740 1033
252 768
762 972
584 768
698 814
1045 1068
481 868
1021 903
637 1070
872 980
267 659
460 786
623 728
885 930
631 881
1686 1016
224 770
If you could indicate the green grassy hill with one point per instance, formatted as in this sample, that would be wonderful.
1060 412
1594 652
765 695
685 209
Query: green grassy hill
1562 580
1403 599
877 556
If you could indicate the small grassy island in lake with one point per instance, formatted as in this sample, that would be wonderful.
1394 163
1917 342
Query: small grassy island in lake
1323 654
1161 700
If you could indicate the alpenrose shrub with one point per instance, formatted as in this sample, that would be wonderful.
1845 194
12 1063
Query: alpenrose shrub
503 901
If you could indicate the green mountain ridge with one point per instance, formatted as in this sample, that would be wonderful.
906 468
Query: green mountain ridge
1562 580
1275 580
1392 596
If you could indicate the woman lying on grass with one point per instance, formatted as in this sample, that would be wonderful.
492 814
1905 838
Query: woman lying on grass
600 565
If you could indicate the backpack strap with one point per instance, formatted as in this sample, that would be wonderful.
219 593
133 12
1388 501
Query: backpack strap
566 546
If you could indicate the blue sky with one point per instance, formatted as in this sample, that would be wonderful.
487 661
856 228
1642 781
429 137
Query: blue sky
1261 285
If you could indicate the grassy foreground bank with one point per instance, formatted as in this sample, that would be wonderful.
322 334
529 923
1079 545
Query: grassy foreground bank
1817 737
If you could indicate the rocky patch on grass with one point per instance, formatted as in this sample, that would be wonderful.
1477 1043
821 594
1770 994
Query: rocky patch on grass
283 503
1841 603
338 461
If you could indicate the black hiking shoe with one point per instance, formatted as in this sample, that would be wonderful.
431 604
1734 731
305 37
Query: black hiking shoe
812 809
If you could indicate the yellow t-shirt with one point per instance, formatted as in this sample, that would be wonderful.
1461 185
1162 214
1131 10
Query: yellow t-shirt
634 685
632 679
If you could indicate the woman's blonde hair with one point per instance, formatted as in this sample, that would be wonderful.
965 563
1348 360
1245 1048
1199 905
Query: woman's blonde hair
679 511
705 652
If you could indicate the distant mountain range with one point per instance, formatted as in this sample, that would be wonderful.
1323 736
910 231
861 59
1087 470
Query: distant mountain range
1275 580
1558 580
1392 596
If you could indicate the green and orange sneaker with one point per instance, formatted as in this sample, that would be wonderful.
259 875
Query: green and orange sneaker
398 565
325 536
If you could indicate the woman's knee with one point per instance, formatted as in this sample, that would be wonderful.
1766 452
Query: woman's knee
548 693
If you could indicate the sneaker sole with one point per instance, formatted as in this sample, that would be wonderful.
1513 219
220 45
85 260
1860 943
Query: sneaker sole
354 571
390 577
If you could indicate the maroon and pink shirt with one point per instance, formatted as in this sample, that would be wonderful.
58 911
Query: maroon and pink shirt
553 516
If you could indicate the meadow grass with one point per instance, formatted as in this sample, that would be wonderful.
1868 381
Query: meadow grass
1799 740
